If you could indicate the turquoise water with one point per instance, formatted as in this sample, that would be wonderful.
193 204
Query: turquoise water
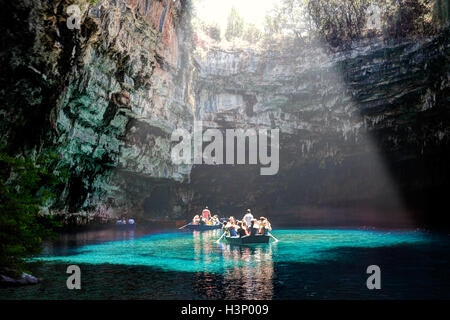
304 264
198 251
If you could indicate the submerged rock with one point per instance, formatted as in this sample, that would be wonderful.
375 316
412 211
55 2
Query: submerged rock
25 279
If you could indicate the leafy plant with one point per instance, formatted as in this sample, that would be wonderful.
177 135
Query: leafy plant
252 34
235 26
341 22
25 187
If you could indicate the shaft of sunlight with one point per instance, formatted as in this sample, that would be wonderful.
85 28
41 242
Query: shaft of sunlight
216 11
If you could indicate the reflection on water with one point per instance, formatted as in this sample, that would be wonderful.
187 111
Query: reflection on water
255 275
203 244
250 271
68 241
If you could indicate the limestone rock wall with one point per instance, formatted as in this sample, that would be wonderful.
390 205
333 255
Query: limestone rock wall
111 92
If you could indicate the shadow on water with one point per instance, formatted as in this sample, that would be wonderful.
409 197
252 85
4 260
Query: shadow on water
194 266
407 272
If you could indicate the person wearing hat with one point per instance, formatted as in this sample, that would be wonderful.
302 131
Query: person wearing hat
215 220
264 226
196 220
248 217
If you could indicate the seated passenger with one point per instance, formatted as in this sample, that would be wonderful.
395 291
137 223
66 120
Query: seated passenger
196 220
241 231
231 230
122 219
253 227
268 226
244 226
261 226
264 226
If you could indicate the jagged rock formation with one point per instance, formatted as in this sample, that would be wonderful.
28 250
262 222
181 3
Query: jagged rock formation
361 129
107 96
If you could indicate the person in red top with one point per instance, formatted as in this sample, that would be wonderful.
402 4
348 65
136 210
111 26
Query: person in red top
206 214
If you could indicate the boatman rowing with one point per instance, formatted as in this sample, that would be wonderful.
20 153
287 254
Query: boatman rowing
248 217
206 214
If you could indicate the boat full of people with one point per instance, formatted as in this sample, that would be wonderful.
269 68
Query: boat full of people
204 222
248 230
125 223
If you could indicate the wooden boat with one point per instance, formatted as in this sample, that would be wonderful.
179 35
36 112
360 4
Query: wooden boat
247 239
202 227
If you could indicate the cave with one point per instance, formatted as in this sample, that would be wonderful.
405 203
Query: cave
354 131
96 97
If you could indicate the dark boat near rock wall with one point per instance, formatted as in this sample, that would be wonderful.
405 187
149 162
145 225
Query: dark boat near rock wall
203 227
247 239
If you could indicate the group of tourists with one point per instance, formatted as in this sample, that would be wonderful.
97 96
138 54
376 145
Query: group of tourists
124 220
206 218
248 226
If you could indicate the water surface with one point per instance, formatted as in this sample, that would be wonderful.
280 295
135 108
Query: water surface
304 264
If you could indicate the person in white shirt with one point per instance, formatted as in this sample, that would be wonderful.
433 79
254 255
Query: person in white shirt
248 217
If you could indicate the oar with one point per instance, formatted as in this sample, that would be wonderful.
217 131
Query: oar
276 240
221 237
184 226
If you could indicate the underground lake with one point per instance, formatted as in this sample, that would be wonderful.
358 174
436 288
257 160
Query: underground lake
305 263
